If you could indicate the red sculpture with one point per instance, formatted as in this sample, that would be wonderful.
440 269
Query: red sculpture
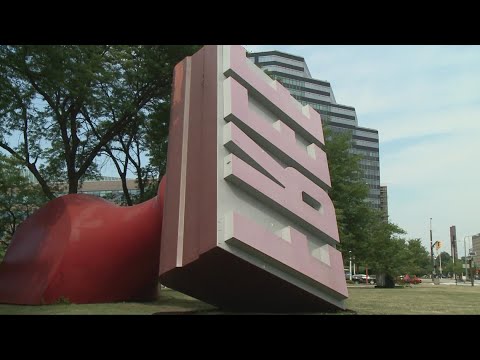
84 249
248 221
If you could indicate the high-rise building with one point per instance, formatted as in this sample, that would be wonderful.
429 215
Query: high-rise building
453 242
476 249
293 73
384 202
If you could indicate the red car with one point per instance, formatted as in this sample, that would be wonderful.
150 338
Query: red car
415 280
411 280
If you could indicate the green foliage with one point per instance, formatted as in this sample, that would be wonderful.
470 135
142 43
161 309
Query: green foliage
147 139
445 258
385 251
453 268
372 241
348 193
418 259
67 103
19 198
62 300
157 137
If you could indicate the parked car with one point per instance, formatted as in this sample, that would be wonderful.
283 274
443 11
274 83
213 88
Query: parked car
415 280
407 279
362 279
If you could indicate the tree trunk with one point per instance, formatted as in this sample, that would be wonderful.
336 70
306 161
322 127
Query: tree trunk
128 198
72 184
385 281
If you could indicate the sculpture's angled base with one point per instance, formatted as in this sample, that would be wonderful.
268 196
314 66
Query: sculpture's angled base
232 284
84 249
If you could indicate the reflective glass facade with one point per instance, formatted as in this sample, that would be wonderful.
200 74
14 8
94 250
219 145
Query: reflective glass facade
384 202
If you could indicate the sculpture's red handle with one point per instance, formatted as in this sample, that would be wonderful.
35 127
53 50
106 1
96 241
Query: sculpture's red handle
84 249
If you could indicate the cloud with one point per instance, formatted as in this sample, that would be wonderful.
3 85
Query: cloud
438 160
400 125
436 179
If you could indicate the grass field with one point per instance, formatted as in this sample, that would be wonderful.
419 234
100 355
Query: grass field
418 299
169 301
363 300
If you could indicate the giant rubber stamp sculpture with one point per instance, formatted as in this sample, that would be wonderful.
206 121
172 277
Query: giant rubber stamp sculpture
247 221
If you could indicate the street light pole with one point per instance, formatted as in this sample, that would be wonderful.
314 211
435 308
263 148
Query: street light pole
431 250
465 257
350 253
440 256
472 279
454 271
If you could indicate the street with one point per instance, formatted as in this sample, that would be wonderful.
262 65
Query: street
452 282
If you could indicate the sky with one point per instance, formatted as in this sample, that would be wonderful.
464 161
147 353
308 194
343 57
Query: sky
425 103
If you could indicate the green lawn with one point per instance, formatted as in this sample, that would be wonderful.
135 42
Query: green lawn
419 299
169 301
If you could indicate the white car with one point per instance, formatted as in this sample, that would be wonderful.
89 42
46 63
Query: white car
362 278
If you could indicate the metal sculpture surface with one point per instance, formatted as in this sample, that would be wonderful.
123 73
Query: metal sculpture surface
84 249
247 221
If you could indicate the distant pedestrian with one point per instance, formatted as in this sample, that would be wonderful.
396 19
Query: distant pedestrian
406 279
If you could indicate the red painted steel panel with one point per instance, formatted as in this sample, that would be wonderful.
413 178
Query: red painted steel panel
175 159
201 195
84 249
190 223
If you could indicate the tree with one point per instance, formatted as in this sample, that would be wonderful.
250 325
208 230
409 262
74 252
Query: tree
125 151
387 253
145 139
374 242
445 257
348 193
19 198
157 138
67 103
142 148
454 268
418 258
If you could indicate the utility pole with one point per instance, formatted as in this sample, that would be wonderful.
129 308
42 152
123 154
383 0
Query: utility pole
440 256
431 250
455 271
453 245
472 278
350 253
465 258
